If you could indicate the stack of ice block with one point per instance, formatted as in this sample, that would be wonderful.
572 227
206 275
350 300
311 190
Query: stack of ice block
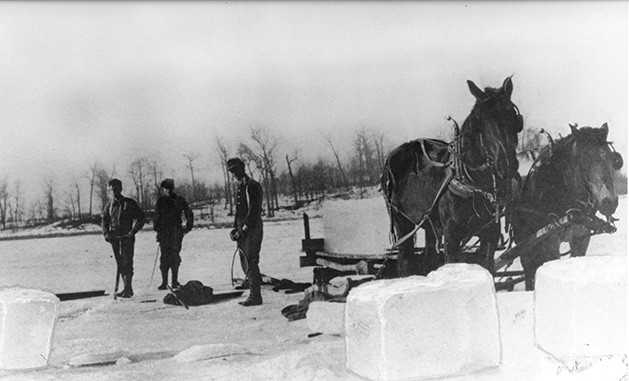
27 320
420 327
581 306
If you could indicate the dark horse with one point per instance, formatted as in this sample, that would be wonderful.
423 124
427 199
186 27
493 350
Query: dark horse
454 190
574 173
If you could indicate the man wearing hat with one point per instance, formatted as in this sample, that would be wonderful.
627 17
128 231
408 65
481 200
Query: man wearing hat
168 225
247 230
122 219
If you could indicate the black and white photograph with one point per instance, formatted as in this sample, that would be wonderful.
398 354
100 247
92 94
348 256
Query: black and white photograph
313 190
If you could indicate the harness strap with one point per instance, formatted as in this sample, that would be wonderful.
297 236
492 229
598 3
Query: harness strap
443 187
422 143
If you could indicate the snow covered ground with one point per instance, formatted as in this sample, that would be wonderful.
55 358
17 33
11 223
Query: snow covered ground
224 340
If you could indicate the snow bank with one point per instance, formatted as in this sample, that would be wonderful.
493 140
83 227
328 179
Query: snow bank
581 306
419 327
27 321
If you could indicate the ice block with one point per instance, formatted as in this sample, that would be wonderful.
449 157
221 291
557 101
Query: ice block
358 227
326 317
581 306
27 321
418 327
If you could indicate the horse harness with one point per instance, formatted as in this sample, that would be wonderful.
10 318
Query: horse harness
457 180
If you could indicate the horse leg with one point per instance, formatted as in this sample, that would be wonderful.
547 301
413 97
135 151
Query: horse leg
431 255
488 243
579 245
407 260
539 254
453 234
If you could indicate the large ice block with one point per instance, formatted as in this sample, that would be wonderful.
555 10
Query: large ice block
581 306
357 227
326 317
27 321
422 327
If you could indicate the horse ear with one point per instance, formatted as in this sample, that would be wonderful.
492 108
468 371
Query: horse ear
573 128
476 92
604 131
507 86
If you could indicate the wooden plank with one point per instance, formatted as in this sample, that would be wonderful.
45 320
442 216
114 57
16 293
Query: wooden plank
79 295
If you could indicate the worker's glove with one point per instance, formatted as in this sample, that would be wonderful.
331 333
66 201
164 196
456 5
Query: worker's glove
234 234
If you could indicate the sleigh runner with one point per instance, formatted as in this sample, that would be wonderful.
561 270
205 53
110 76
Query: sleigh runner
330 264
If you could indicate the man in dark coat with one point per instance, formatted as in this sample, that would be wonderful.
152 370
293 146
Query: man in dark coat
168 225
122 219
247 230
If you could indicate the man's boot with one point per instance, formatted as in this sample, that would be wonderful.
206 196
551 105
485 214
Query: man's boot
124 284
127 292
164 284
175 271
255 296
130 286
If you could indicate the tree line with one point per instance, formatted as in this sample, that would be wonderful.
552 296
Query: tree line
299 180
279 173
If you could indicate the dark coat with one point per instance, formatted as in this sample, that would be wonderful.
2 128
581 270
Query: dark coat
248 204
168 212
122 216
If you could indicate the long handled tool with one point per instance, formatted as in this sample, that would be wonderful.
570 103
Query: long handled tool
117 283
154 265
237 252
177 297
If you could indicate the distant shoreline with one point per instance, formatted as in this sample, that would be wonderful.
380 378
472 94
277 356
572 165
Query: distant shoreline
200 225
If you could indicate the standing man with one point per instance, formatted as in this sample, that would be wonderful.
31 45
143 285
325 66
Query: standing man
122 219
247 230
168 211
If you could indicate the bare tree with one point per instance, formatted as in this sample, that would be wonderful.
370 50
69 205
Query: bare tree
4 200
49 196
102 178
140 171
17 202
264 160
378 141
292 179
223 154
156 172
191 158
267 146
91 178
328 138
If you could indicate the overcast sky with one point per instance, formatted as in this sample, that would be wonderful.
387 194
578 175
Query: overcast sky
109 81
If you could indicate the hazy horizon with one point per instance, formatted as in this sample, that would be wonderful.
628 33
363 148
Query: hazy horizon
110 81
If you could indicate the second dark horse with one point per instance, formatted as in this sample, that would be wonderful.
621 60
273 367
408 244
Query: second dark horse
575 174
457 190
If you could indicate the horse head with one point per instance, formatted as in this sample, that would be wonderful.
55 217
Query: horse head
592 162
496 121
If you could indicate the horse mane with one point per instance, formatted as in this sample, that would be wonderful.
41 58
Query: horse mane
547 174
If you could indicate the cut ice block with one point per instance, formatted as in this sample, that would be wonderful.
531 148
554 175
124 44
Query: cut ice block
581 306
422 327
27 320
357 227
326 317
